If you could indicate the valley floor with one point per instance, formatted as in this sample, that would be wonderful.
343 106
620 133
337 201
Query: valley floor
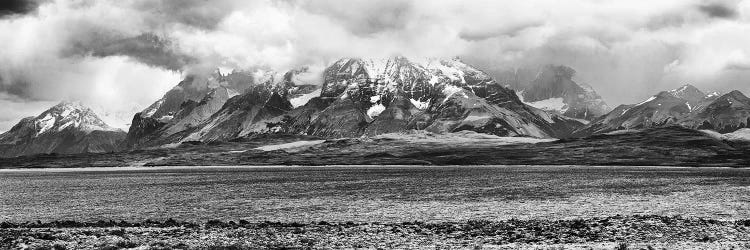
387 207
618 232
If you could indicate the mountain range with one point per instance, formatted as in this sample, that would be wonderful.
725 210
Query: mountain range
686 106
370 97
357 97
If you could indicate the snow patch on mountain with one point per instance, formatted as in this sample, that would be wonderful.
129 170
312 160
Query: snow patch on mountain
153 108
472 118
458 138
452 73
232 93
520 96
646 101
374 99
291 145
45 124
375 110
304 99
451 90
681 91
422 105
739 135
376 67
551 104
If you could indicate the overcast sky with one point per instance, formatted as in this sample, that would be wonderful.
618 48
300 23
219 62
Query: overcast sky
121 55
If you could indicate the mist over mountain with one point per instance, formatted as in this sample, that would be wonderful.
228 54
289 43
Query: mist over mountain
67 50
552 88
357 97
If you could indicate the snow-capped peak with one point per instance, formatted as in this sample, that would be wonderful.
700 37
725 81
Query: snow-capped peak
69 114
713 94
682 88
687 92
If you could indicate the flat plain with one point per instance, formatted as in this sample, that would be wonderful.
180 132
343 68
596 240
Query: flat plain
368 206
372 193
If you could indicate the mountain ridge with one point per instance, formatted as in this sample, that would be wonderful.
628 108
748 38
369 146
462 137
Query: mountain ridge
353 95
684 106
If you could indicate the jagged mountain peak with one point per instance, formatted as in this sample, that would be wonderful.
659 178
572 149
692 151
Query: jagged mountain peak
685 88
396 68
554 89
361 96
689 93
68 127
420 79
69 114
70 105
685 106
667 95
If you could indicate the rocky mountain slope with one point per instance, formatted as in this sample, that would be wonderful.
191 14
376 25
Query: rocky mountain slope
552 88
399 94
357 97
724 114
66 128
201 108
685 106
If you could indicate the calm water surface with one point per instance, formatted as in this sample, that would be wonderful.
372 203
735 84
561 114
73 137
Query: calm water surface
373 193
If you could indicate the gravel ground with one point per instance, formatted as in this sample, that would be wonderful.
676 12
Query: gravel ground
616 232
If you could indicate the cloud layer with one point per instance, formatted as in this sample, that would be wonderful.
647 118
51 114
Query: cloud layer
121 55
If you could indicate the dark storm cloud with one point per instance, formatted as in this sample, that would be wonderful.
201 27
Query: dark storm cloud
17 88
738 66
365 17
668 20
205 14
718 10
135 50
147 48
510 31
13 7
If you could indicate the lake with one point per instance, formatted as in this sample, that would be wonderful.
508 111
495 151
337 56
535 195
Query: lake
371 193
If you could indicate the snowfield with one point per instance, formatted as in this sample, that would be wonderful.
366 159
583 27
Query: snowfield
552 104
462 137
739 135
304 99
291 145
